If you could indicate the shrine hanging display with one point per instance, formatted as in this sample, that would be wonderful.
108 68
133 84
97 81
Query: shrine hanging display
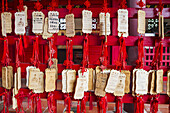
90 81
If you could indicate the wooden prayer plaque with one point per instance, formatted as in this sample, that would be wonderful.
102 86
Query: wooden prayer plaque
50 79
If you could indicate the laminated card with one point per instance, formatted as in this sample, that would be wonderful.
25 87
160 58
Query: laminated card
141 22
37 22
112 81
53 22
46 34
104 18
79 91
20 23
87 21
50 79
70 25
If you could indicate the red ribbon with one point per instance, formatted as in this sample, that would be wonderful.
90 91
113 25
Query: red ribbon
67 102
154 104
121 62
78 107
35 56
5 58
139 104
156 62
118 104
139 62
50 100
69 54
83 104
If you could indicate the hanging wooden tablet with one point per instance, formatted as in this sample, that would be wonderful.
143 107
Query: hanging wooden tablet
123 22
16 83
90 83
120 88
50 79
37 22
101 80
53 21
54 65
4 77
141 82
87 21
152 82
141 22
168 83
40 89
46 34
14 100
33 78
127 80
102 23
79 90
20 23
71 80
64 81
28 74
159 81
25 11
18 78
161 26
9 77
70 25
86 76
112 81
6 23
134 81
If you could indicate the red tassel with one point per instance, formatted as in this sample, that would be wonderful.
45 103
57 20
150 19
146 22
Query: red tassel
20 46
83 105
25 41
78 107
118 104
67 102
139 104
39 110
154 104
91 102
102 104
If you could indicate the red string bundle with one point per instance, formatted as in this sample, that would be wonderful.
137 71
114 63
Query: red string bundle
121 62
139 62
35 55
50 101
21 49
139 104
69 54
118 104
156 62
